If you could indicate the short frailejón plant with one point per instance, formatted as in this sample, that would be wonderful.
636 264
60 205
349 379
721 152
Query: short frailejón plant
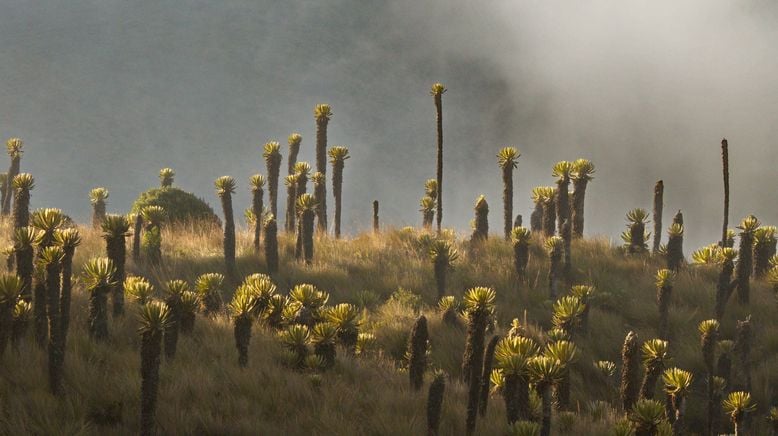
153 217
10 289
677 383
581 175
51 262
655 357
417 352
290 182
225 187
435 403
338 155
47 222
153 318
709 331
68 239
737 406
22 185
306 207
520 237
209 287
675 247
744 266
271 244
630 371
14 147
545 372
555 249
257 183
725 285
322 113
97 277
481 227
272 155
664 292
566 353
511 358
635 236
486 371
115 229
764 249
443 256
25 239
507 159
98 197
166 176
174 291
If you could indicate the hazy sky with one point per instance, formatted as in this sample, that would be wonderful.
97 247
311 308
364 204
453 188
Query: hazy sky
106 92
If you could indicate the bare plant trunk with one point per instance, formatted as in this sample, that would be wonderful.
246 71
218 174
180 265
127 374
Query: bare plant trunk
659 192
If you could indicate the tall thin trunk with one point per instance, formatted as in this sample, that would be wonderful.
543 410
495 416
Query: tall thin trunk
376 227
98 214
472 364
55 350
507 199
578 198
653 371
256 209
150 357
117 252
291 197
744 267
439 127
337 190
24 269
136 234
486 374
725 167
536 218
510 395
64 299
13 171
659 192
549 217
242 333
562 199
545 393
6 324
273 168
630 373
663 297
170 337
743 350
98 313
21 209
307 235
271 245
417 353
435 404
229 235
321 166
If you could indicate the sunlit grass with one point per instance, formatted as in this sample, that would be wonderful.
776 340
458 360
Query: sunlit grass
204 391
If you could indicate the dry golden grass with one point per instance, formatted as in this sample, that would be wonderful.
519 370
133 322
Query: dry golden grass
205 392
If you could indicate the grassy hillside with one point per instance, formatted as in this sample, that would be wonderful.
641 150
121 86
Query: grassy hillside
390 276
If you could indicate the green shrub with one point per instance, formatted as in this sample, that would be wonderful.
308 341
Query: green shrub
180 206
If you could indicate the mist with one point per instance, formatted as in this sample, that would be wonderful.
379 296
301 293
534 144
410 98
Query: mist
105 93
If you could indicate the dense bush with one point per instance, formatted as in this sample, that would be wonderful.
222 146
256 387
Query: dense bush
180 206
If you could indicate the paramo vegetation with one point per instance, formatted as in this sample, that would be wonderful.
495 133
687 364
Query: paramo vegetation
152 322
